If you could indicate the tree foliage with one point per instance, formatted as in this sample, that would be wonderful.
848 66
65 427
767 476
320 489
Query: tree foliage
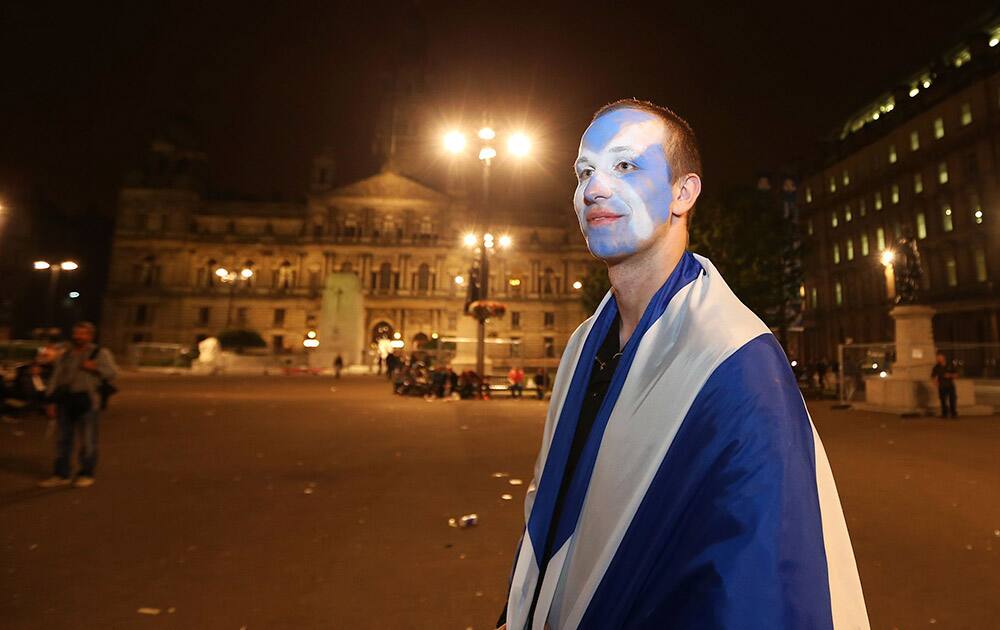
240 339
743 233
595 286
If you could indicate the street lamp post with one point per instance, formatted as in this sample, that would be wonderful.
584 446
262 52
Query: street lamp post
230 277
518 145
479 285
53 269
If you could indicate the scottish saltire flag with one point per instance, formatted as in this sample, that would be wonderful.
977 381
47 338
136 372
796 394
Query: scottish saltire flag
702 498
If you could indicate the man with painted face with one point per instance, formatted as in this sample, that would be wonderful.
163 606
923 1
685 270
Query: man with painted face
680 482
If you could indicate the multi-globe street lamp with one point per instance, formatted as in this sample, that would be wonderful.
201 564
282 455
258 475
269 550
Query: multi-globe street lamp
479 277
54 270
229 277
518 146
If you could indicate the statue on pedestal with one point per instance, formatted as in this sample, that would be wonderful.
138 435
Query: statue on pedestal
906 268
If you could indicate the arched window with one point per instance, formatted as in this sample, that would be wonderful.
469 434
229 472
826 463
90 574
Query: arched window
148 271
385 276
351 226
209 278
424 278
285 276
547 281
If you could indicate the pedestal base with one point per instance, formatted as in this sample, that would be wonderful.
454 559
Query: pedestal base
902 395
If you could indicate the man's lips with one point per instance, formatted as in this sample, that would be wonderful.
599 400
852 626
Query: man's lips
601 216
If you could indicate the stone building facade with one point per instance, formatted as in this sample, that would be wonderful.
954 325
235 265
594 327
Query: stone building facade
403 240
922 157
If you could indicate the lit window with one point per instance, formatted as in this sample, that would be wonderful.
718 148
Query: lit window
980 256
943 173
921 225
809 227
977 209
833 184
864 244
814 296
951 270
918 183
848 215
892 154
834 221
862 207
938 128
963 57
894 193
914 141
836 253
966 114
847 178
878 200
838 293
880 238
809 195
946 222
850 249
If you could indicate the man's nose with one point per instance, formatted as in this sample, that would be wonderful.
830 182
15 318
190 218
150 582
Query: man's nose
597 189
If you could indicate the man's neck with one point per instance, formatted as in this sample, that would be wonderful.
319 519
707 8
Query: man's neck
636 279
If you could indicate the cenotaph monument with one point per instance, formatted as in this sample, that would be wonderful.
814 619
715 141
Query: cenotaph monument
341 322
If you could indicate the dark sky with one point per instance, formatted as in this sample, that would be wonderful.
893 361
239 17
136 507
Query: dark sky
87 85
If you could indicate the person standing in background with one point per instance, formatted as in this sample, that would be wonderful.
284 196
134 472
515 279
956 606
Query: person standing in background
944 376
74 400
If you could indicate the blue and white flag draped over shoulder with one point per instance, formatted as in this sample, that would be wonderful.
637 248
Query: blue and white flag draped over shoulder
702 498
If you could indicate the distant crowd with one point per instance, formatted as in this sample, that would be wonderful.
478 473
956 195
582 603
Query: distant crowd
415 376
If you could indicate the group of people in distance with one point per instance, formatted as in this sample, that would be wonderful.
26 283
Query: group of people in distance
420 378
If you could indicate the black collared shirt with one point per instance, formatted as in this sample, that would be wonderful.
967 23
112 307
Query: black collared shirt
605 363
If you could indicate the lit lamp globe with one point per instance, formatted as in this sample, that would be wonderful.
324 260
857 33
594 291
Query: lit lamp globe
454 142
519 144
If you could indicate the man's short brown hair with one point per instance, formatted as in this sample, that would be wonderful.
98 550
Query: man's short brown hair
682 145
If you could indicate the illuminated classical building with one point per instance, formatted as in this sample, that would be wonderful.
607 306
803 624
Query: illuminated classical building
402 239
922 156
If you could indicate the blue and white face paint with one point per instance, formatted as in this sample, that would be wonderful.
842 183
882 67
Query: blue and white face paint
625 183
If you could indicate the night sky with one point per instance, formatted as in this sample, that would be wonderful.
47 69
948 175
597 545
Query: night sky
85 88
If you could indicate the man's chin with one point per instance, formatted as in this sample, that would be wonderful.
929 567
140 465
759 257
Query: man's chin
616 255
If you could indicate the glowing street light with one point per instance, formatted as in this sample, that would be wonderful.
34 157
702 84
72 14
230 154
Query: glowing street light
470 240
487 153
887 257
454 142
577 285
229 277
505 241
487 133
459 280
74 294
53 269
519 144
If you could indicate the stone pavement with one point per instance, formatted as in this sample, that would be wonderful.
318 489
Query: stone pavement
304 502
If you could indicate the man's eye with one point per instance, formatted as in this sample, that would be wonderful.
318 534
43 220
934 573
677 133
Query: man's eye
585 173
624 166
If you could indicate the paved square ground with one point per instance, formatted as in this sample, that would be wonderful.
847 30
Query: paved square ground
305 502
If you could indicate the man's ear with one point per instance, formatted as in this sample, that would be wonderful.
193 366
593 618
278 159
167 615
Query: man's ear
686 192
